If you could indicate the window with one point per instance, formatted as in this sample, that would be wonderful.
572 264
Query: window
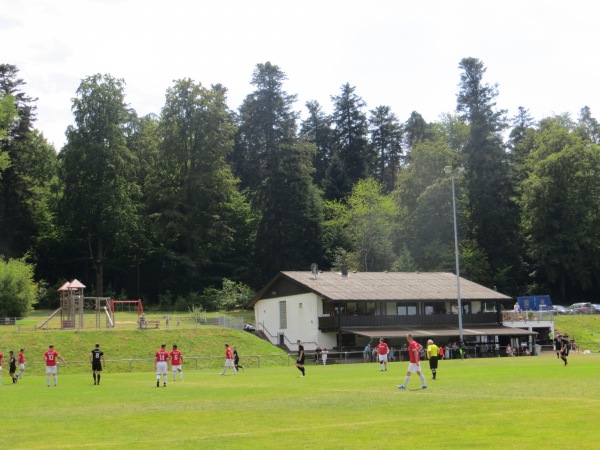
406 308
282 315
435 308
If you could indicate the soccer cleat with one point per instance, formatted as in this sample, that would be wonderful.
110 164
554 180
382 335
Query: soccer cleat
423 387
401 387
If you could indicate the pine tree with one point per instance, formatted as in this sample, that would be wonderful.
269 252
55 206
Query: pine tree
351 137
492 211
386 139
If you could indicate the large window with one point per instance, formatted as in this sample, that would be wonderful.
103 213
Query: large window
406 308
435 308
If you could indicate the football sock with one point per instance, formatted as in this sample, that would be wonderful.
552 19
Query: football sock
406 380
98 378
423 379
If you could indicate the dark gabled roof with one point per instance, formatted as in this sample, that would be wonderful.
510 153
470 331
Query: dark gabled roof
381 286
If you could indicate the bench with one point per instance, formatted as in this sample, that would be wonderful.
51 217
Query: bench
18 323
149 323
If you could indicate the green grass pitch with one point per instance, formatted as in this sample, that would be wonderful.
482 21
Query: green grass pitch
495 403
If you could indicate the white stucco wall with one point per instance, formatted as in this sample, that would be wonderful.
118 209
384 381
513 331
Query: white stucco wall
302 321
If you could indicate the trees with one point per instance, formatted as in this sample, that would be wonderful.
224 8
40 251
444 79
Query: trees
8 113
423 195
100 204
561 209
276 168
317 129
386 139
27 168
370 217
266 121
18 290
350 136
493 213
193 200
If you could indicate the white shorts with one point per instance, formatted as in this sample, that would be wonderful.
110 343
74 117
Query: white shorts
382 358
229 363
22 366
414 367
176 368
161 368
51 369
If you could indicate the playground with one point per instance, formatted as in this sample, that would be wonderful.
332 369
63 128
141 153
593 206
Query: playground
78 312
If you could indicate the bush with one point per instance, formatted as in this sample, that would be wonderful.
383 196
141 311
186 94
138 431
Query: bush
18 291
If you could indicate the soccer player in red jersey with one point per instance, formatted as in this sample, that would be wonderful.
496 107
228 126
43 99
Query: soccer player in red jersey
414 349
229 362
162 367
382 351
51 356
1 364
176 362
21 363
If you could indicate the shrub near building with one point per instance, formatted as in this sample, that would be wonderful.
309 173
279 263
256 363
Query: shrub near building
18 291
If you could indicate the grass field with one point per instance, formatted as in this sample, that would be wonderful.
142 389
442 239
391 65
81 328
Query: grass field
508 403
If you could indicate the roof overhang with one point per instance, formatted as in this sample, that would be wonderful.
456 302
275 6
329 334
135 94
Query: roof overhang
438 331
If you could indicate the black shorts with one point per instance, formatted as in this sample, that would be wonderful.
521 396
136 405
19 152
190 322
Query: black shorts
97 366
300 361
433 362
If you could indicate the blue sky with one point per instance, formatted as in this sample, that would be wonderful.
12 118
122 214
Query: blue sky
542 53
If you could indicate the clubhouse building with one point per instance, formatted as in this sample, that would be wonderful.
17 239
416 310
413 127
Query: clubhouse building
347 311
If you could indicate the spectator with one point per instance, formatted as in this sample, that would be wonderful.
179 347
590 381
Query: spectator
367 353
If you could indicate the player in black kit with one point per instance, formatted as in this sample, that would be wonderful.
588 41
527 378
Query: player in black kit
97 360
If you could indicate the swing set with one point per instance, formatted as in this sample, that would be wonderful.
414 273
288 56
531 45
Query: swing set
130 303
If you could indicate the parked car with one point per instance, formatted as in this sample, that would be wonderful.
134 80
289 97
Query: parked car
558 309
582 308
596 306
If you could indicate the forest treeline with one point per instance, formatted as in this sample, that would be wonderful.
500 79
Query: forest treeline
167 205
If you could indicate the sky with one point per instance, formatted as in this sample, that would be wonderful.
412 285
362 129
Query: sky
543 54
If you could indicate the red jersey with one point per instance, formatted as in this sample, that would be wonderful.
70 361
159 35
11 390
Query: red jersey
162 355
1 357
50 356
176 357
414 349
382 348
21 358
228 353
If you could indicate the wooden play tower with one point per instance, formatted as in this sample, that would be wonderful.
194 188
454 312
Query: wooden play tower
73 304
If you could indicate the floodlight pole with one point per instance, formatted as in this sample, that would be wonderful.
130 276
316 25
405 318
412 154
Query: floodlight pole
452 172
